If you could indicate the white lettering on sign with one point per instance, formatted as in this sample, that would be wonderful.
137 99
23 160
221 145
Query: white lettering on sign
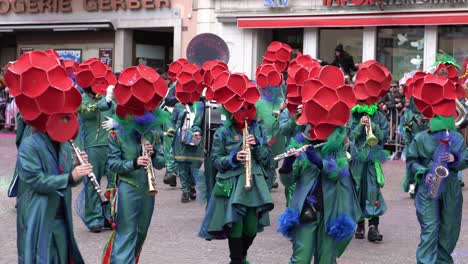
276 3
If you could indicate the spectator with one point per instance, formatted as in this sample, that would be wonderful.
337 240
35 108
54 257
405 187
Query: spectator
344 61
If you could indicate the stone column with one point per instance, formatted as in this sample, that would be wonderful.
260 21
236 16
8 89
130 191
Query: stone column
430 46
310 46
123 52
178 39
369 43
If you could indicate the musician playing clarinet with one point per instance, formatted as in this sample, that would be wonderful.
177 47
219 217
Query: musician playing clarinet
434 157
240 202
46 164
96 106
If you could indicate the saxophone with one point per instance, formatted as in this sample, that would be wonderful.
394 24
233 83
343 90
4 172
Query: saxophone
440 169
149 170
91 176
247 163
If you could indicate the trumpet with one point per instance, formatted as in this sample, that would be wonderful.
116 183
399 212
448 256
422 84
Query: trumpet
151 175
371 139
295 152
91 176
247 163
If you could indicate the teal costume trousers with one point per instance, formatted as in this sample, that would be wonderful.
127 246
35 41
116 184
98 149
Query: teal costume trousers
58 245
310 240
188 173
440 221
94 215
135 210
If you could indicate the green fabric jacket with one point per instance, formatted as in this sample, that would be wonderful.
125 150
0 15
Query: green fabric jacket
45 178
124 149
183 152
92 113
420 153
228 141
288 126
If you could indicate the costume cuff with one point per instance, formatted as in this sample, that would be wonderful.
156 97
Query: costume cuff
233 160
419 175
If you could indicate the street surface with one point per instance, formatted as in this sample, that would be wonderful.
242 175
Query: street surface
172 237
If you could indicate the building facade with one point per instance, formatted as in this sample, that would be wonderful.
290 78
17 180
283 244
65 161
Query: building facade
404 35
119 32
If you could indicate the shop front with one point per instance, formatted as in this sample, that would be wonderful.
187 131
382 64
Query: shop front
404 35
119 32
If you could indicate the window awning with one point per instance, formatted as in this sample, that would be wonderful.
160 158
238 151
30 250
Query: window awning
357 20
55 27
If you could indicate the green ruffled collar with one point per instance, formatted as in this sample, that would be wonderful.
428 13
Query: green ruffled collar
368 109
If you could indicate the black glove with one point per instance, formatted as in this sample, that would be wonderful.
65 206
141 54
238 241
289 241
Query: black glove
287 165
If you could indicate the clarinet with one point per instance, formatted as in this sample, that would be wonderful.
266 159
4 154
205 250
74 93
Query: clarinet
91 176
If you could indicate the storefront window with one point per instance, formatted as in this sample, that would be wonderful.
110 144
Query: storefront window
350 38
400 49
453 41
294 37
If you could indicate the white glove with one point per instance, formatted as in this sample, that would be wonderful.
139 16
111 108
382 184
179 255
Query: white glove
110 93
109 124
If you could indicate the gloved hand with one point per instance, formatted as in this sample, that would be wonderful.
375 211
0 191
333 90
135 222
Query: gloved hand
110 93
429 180
287 164
169 132
108 124
313 157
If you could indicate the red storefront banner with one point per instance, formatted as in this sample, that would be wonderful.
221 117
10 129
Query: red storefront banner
357 20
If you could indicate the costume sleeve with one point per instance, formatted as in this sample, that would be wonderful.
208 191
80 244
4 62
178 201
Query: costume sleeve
33 174
158 159
262 152
116 160
287 124
21 125
175 117
380 128
459 150
222 159
413 163
198 122
103 105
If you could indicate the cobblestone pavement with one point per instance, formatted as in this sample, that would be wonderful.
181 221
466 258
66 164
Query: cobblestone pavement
173 237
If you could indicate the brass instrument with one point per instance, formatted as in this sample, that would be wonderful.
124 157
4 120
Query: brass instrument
295 152
247 163
150 173
91 176
440 172
462 115
371 139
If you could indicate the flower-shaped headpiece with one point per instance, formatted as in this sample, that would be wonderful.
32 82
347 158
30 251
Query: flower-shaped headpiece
372 82
95 74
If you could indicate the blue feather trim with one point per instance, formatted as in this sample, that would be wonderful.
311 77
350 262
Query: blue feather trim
341 228
330 165
344 172
287 221
299 138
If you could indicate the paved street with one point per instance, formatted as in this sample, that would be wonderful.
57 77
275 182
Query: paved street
173 237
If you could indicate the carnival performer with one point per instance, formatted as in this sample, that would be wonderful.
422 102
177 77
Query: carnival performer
134 150
170 177
435 156
187 122
96 106
368 133
239 204
321 217
45 159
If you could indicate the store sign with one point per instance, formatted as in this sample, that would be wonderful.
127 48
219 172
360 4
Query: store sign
276 3
65 6
389 2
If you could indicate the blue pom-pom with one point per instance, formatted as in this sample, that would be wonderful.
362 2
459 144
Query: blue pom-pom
299 138
344 172
330 165
145 119
287 221
341 228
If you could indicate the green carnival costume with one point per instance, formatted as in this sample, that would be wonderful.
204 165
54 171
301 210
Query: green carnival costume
94 109
440 217
412 123
321 217
188 157
44 223
133 207
289 129
366 165
234 212
23 130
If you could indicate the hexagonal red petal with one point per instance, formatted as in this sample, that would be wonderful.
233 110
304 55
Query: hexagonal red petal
143 90
34 82
13 82
27 107
51 101
62 127
59 79
43 61
72 101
